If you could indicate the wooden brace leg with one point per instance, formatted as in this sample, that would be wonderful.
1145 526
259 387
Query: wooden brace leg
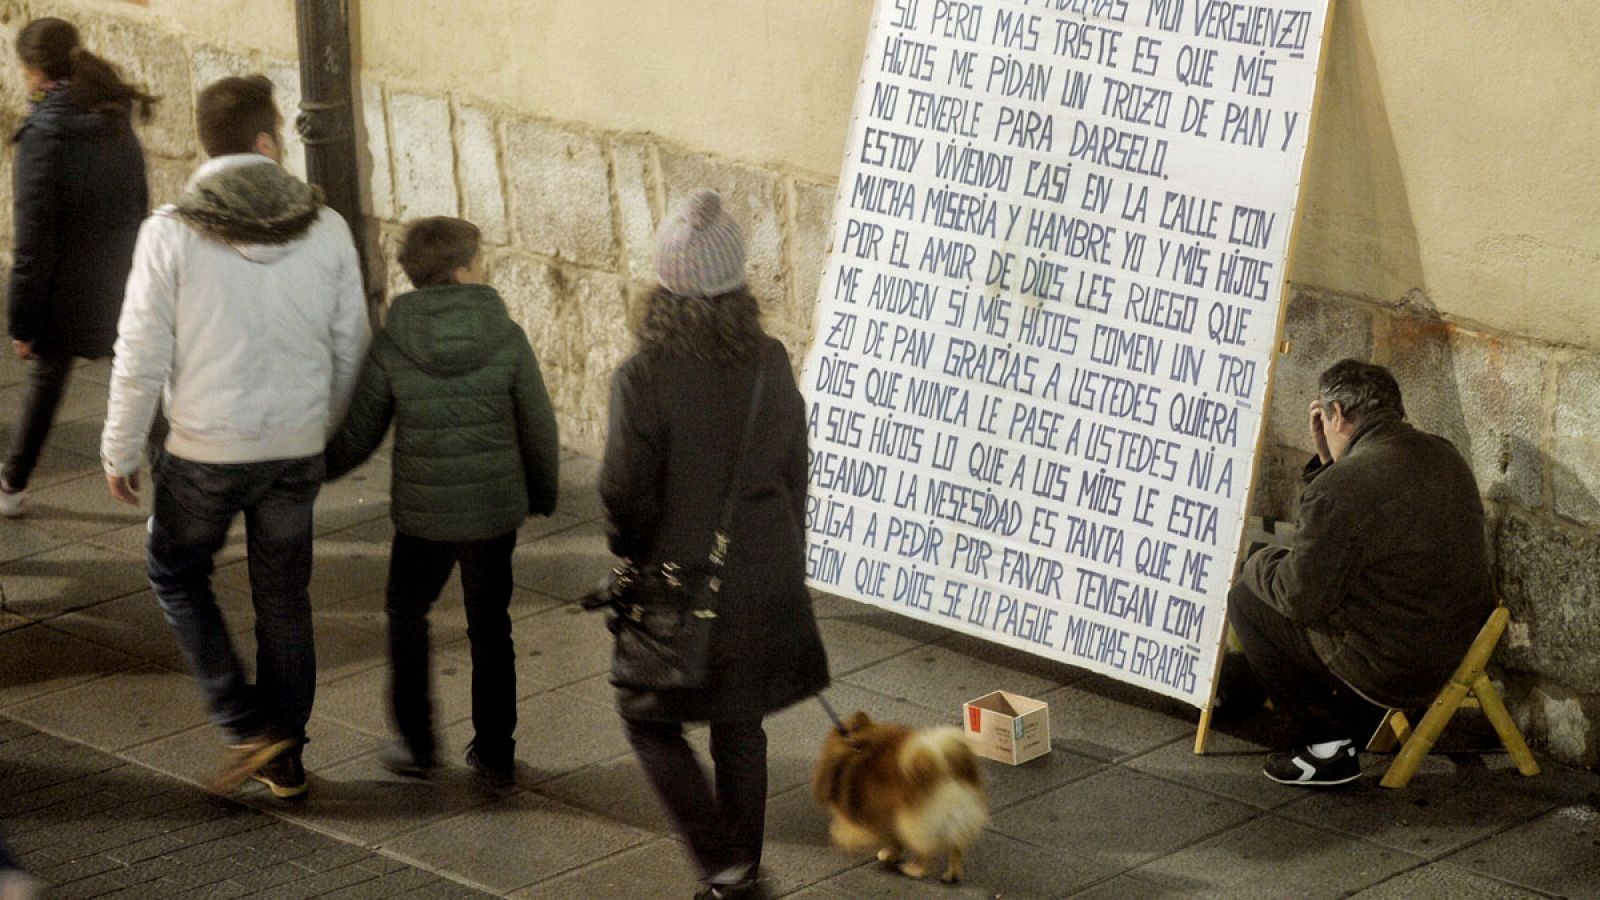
1500 718
1394 728
1421 741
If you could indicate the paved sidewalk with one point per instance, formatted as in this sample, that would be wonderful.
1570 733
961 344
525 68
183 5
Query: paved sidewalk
93 825
1120 808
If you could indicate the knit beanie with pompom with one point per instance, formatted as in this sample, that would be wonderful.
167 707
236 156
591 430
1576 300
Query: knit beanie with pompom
699 248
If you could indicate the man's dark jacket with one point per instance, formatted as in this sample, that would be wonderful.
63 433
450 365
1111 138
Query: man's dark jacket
475 443
79 196
1387 571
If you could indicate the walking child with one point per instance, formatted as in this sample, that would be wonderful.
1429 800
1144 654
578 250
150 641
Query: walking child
475 452
79 196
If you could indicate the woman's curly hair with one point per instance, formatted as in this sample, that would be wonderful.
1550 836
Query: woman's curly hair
723 329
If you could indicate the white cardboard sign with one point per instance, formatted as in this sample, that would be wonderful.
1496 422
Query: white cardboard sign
1045 328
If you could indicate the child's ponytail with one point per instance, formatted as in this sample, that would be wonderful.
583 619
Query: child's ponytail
97 87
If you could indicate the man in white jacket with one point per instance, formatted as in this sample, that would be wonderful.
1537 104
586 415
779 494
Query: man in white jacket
245 314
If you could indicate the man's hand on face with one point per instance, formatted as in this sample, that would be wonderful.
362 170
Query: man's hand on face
1317 435
124 487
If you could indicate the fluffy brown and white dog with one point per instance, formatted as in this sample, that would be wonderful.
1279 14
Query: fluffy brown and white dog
916 793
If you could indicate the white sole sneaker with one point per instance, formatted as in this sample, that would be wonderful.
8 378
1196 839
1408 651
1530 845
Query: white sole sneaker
13 503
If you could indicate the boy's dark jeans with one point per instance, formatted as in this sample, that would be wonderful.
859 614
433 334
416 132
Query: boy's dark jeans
47 382
194 505
418 569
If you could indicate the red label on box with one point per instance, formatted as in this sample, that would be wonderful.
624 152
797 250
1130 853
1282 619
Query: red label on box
975 720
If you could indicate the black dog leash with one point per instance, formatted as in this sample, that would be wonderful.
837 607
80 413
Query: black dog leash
838 726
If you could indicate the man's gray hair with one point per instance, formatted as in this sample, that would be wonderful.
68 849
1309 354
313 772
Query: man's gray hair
1362 390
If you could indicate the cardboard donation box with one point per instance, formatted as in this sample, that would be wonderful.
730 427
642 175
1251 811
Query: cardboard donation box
1008 727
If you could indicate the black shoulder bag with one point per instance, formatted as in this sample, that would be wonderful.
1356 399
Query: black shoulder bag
662 616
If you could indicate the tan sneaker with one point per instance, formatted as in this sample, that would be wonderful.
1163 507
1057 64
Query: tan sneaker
285 776
240 760
16 884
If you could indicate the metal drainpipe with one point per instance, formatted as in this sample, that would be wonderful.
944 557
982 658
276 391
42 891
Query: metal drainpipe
327 116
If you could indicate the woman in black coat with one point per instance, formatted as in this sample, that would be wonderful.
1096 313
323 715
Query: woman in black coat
79 197
677 419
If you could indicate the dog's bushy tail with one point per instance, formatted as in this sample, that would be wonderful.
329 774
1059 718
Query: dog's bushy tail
943 772
933 755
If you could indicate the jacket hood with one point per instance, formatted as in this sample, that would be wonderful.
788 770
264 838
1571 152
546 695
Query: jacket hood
449 329
251 202
56 115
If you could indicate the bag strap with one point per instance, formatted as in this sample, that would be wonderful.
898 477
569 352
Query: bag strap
719 538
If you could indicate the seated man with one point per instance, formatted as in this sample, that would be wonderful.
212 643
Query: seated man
1384 588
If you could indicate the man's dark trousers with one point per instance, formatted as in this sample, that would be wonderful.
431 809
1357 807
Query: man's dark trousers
418 569
1319 705
195 503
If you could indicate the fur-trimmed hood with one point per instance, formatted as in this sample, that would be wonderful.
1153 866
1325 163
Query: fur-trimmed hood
246 198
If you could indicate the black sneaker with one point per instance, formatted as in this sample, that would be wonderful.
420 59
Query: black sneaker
492 775
398 759
1302 767
284 776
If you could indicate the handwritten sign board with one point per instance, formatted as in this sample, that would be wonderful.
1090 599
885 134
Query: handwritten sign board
1048 316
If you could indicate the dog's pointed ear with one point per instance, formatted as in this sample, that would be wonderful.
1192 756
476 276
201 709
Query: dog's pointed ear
857 722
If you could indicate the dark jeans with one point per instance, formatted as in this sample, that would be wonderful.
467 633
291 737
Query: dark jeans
194 505
1320 706
418 570
47 383
724 829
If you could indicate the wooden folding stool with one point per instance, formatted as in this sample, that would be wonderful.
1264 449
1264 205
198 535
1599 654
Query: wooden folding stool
1469 687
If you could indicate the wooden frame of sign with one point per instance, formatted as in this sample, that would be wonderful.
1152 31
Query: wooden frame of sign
1022 426
1203 731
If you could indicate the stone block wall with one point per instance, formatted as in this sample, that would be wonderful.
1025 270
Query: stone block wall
568 214
568 211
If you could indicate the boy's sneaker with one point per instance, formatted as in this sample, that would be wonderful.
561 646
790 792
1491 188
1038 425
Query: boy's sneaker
1302 767
243 759
12 502
285 776
399 760
492 775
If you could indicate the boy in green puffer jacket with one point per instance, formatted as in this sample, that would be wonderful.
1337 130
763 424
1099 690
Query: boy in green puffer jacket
475 452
